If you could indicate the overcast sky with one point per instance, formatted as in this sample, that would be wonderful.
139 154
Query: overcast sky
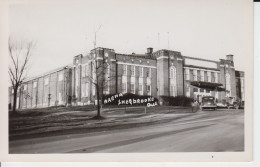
203 29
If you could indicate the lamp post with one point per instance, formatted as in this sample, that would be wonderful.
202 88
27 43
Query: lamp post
49 99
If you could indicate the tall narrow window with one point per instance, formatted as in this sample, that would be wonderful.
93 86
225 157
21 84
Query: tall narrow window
132 87
93 90
46 81
60 98
228 85
140 88
191 75
132 70
87 89
148 72
209 76
171 73
105 89
195 74
198 75
205 76
83 71
202 75
94 75
107 80
216 77
123 87
60 77
83 90
187 74
124 69
140 71
148 89
173 81
188 91
34 84
213 77
77 78
86 70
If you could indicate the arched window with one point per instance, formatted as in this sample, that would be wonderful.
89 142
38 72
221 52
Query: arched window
173 81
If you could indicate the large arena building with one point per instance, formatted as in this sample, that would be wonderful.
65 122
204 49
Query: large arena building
161 73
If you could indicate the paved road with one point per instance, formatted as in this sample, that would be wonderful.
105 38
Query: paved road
204 131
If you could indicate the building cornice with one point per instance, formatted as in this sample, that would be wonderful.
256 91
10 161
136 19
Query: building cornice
162 57
194 58
139 65
145 56
47 73
201 68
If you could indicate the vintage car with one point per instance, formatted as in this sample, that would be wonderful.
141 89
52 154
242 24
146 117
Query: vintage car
231 105
221 105
208 102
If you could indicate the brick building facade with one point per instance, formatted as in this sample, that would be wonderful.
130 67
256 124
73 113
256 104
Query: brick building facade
157 74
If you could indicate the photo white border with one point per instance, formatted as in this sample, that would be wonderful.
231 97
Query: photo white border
119 157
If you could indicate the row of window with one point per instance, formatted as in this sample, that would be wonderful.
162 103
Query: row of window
201 90
86 88
201 75
140 70
46 82
140 88
46 96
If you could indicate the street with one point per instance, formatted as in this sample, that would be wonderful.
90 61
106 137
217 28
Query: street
205 131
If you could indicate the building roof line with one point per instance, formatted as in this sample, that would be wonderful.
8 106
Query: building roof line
167 50
201 67
145 56
195 58
47 73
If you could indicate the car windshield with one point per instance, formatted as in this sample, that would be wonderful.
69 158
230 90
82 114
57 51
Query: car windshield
208 99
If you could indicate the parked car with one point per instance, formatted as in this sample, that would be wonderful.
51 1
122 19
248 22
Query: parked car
208 102
233 105
221 105
236 105
242 105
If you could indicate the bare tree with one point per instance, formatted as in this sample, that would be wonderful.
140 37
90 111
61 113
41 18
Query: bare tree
97 78
19 55
101 75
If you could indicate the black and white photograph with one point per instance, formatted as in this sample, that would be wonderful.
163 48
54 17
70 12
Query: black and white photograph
142 77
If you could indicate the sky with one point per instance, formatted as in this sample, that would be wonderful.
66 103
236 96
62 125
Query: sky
203 29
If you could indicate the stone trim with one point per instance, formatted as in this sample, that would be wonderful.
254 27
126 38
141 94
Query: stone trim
139 65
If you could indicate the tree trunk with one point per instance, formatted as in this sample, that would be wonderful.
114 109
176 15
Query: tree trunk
15 100
98 105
